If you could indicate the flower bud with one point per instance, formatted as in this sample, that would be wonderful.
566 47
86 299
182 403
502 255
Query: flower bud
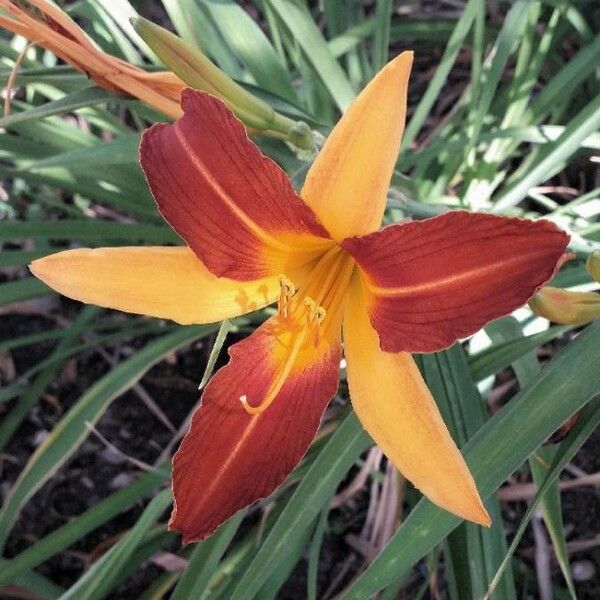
593 265
564 307
199 72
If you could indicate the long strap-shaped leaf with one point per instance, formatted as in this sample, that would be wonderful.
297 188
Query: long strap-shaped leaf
587 423
570 380
321 480
81 525
98 580
66 437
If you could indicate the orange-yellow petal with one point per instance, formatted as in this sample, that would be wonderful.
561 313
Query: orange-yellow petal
165 282
396 408
347 184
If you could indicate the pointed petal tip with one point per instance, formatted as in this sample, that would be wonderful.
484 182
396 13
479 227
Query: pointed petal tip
42 268
479 515
469 506
404 59
34 267
397 71
188 536
348 182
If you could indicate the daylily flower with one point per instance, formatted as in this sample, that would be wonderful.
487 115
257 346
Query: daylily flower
46 25
251 240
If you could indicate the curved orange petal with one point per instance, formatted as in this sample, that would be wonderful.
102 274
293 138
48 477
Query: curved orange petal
348 183
165 282
396 408
230 458
234 207
432 282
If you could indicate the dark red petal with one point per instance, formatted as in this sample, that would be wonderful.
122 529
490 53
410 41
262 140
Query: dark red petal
233 206
435 281
229 458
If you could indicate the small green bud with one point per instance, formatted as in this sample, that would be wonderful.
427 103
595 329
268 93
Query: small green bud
565 307
194 68
593 265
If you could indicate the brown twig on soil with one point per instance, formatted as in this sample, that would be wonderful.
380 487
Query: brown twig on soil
142 394
387 511
583 545
357 484
542 557
134 461
556 189
181 431
335 582
526 491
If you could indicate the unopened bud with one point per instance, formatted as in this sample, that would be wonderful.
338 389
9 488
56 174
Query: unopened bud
593 265
564 307
199 72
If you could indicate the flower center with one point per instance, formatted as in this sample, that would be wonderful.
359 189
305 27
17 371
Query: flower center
306 318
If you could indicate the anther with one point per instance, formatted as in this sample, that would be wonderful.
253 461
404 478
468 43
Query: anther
314 317
320 313
286 293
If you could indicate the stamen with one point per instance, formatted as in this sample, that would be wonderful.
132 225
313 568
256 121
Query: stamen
314 317
286 293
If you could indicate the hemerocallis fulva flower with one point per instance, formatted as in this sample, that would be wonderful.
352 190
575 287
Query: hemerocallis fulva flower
251 240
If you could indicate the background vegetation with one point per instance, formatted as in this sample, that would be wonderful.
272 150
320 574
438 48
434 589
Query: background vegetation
504 117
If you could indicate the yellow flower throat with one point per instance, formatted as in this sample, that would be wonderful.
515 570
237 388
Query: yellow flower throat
306 318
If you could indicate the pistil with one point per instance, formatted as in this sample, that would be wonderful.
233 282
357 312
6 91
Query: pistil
305 315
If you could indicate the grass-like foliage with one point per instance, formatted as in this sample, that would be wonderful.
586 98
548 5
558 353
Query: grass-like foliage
503 117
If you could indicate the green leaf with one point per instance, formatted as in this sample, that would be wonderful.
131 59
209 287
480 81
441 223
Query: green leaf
89 230
586 122
474 553
24 289
316 487
566 384
48 370
381 41
70 432
39 585
463 25
100 578
90 96
248 42
79 526
526 368
304 31
501 355
589 420
205 559
117 152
